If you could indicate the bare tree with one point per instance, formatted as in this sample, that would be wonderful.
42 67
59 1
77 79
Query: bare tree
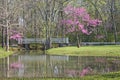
112 13
9 17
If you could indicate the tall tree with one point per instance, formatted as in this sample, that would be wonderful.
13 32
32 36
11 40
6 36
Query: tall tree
10 12
78 20
112 12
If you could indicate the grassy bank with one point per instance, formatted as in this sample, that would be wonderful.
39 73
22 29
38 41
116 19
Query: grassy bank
109 76
4 53
111 50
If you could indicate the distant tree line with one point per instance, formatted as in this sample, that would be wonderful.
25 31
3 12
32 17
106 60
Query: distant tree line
41 19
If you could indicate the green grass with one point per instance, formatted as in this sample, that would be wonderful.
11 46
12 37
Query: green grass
109 76
4 53
111 50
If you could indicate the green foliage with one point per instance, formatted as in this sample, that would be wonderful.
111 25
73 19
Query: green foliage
110 37
35 46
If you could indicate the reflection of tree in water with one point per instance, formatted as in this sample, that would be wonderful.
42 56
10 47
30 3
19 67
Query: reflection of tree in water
78 73
3 67
58 66
97 64
103 65
85 71
56 71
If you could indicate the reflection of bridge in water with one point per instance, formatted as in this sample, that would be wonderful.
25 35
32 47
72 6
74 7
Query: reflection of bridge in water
27 41
42 58
39 66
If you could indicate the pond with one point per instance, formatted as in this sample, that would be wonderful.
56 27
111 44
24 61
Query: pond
26 65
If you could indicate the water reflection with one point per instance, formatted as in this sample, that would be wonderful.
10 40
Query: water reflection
56 66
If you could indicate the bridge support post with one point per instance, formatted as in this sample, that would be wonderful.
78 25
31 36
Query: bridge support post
48 43
27 46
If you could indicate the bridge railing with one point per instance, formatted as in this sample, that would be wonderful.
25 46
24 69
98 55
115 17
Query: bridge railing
42 40
100 43
59 40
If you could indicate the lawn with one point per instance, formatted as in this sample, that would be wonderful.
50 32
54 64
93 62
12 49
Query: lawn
4 53
111 50
109 76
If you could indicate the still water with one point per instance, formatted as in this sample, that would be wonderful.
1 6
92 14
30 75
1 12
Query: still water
26 65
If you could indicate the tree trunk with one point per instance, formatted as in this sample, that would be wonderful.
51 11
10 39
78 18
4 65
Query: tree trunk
2 37
7 25
78 41
113 19
7 39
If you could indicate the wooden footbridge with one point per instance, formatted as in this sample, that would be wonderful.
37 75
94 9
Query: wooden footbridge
27 41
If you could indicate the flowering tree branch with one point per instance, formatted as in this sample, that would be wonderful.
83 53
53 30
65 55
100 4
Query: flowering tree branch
78 20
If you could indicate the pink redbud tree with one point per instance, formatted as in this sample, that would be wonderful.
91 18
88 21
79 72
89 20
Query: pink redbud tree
15 35
79 21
